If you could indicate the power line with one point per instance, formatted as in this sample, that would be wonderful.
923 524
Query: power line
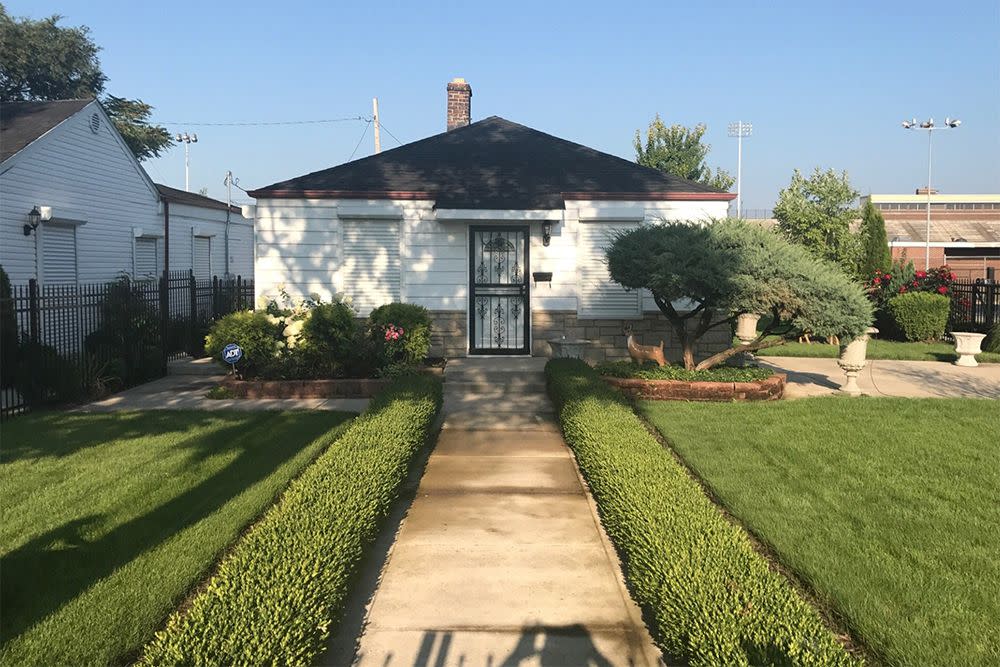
382 125
275 122
367 124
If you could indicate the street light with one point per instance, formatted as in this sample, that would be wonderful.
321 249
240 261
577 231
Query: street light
739 129
187 139
929 126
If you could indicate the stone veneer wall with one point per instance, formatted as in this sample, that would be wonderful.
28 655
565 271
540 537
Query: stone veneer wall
449 335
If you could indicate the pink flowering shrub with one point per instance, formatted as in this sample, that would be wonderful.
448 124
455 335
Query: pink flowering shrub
401 334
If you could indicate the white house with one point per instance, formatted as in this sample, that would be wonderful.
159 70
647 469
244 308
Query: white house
201 229
98 213
498 229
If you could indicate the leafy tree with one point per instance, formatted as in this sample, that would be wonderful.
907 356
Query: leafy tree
817 212
679 151
875 256
730 267
41 60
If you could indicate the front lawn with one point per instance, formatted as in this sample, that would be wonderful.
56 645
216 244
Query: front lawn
109 520
878 349
889 509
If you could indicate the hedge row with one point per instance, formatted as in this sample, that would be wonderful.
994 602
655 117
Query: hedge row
276 596
712 599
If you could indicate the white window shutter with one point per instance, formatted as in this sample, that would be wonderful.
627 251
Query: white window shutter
59 254
371 270
202 263
147 261
597 296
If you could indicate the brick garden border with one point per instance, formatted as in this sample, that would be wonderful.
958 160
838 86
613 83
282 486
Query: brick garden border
337 388
770 389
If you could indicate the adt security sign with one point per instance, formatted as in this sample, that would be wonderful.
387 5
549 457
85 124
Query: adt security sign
232 353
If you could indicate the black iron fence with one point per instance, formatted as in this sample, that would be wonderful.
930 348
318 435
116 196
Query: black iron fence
66 342
976 303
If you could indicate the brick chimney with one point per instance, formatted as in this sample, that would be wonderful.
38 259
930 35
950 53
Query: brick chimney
459 103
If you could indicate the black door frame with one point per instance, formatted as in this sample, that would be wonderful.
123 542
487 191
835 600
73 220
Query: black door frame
525 349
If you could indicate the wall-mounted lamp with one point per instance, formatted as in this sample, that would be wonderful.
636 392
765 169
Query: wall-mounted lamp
546 232
35 216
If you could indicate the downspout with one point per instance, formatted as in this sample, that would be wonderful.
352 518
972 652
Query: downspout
166 239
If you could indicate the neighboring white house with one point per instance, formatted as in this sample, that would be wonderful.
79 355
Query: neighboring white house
468 223
198 235
101 215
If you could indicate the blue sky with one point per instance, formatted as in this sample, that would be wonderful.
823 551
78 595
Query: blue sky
825 84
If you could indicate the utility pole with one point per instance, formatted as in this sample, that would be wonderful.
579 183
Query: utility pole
229 207
187 139
378 135
739 129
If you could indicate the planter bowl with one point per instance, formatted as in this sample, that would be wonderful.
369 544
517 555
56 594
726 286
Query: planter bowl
967 346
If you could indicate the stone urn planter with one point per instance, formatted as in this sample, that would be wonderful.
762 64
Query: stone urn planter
853 359
563 348
746 331
967 346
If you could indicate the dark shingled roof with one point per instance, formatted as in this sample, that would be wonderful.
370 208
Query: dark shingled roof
192 198
23 122
492 164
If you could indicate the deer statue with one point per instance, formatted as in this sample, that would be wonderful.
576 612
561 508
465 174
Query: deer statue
641 353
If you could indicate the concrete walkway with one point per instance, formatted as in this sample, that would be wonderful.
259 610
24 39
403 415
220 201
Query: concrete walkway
501 559
187 384
914 379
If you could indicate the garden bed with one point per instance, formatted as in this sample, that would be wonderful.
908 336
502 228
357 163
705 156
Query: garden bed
673 383
330 388
770 389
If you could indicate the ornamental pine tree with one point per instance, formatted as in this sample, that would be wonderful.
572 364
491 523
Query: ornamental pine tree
875 256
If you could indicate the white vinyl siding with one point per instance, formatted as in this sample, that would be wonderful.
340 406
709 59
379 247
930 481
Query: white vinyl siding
371 267
82 176
59 254
597 296
147 258
202 263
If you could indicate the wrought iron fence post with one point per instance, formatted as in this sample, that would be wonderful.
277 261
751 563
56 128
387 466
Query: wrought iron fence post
33 314
165 317
194 313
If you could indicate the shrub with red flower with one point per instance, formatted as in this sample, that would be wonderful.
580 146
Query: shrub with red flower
902 277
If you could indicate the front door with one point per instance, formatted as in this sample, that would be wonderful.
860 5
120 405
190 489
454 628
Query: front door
499 305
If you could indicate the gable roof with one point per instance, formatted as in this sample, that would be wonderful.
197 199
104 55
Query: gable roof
23 122
492 164
193 199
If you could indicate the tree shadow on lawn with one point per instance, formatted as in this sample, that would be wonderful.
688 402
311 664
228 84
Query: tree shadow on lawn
55 567
58 434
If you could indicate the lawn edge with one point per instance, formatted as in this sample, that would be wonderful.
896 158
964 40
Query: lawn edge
837 623
186 600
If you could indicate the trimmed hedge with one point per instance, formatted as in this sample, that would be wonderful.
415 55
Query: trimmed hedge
275 598
712 599
920 315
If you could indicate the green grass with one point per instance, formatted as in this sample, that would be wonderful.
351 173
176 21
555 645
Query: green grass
109 520
650 371
878 349
888 508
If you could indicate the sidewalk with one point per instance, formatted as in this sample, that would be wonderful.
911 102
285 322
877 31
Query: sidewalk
913 379
501 559
188 392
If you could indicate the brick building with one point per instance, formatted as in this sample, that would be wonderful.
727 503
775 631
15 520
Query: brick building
965 230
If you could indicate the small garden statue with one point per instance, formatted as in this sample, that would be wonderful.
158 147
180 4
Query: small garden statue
641 353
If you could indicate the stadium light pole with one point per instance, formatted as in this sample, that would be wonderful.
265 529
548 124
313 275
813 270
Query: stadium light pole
739 129
949 124
187 140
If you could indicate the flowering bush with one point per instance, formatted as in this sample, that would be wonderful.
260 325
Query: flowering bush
401 333
903 278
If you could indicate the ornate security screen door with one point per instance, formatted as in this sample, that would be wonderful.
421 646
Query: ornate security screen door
499 306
